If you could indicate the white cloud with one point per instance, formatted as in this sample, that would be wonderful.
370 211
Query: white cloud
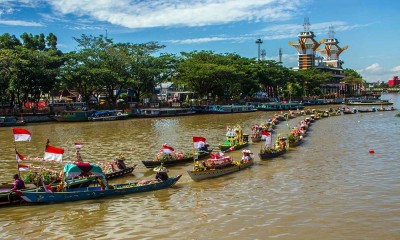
207 39
161 13
396 69
20 23
375 72
373 69
283 31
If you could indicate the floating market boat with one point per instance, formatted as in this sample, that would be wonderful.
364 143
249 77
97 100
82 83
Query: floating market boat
220 165
102 191
175 161
235 139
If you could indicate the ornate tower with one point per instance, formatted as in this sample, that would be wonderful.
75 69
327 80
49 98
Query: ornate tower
306 47
332 50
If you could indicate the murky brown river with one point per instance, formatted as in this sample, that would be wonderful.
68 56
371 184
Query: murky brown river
330 187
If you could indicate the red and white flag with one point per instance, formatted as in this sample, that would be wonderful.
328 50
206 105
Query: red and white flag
199 142
23 167
78 145
18 156
264 134
267 137
21 134
167 149
53 154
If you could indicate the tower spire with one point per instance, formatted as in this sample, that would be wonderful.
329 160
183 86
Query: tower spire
306 24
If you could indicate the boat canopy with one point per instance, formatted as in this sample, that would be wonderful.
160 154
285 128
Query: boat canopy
104 112
72 170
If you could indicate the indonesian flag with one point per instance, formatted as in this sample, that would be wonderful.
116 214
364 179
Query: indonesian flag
167 149
198 142
78 145
53 154
23 167
267 137
21 134
18 156
264 134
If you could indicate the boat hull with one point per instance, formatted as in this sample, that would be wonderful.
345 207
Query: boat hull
154 163
270 155
213 173
368 103
224 148
78 194
120 173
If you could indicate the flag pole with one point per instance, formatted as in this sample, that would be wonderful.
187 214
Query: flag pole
42 165
15 149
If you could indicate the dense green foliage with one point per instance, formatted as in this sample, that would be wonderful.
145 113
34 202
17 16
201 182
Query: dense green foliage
32 68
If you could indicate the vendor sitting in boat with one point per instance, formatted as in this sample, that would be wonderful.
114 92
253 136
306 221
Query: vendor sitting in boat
280 143
246 156
161 173
120 162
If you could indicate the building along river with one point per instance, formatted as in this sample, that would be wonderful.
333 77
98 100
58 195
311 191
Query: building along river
330 187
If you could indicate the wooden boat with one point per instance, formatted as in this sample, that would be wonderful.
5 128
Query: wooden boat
235 140
73 116
162 112
8 196
366 110
88 193
223 109
295 143
265 155
108 115
256 133
279 106
155 163
349 111
382 109
255 139
369 102
217 170
120 172
11 121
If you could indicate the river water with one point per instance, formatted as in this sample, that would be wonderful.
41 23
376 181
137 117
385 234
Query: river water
330 187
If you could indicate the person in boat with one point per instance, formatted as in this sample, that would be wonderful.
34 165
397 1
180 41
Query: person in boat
120 162
18 183
161 173
204 148
102 183
246 156
78 156
280 143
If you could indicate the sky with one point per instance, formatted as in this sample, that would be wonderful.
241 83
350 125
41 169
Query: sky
370 28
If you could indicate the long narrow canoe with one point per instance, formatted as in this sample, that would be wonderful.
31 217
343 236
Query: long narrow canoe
228 148
120 172
212 173
296 143
155 163
76 194
270 155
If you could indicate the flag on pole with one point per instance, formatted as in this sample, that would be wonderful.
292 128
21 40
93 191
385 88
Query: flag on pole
167 149
19 156
21 134
23 167
78 145
199 142
53 154
264 134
